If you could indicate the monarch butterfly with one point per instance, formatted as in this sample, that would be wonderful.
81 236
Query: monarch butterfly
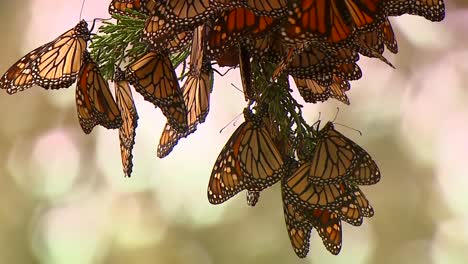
336 158
53 65
300 222
94 102
192 13
433 10
235 25
130 120
153 76
121 7
337 198
313 92
249 160
334 21
196 93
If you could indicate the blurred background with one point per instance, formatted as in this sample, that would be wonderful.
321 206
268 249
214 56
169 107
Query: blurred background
63 197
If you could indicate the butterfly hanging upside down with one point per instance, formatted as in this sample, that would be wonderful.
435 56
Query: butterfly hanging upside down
248 161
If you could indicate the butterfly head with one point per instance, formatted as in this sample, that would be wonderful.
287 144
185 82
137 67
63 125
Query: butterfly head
119 75
82 30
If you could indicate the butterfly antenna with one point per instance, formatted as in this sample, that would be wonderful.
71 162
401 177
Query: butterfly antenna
359 131
98 19
237 88
82 8
233 121
336 114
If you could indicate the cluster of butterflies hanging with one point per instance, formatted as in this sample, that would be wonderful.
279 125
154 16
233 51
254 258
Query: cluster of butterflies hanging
317 42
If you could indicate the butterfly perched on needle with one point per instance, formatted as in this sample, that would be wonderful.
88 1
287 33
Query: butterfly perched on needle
336 158
196 92
94 101
248 161
129 114
154 77
52 66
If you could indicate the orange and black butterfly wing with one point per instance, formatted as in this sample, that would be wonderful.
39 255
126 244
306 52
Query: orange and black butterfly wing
189 14
95 103
366 171
234 26
316 20
370 43
121 7
303 193
299 229
348 71
337 158
333 159
260 160
53 65
349 209
196 91
158 30
153 76
84 104
336 198
389 37
129 120
311 91
227 178
328 225
362 202
168 140
19 76
58 64
311 62
338 90
433 10
197 98
365 15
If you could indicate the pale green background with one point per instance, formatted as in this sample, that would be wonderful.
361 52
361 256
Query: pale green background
64 198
